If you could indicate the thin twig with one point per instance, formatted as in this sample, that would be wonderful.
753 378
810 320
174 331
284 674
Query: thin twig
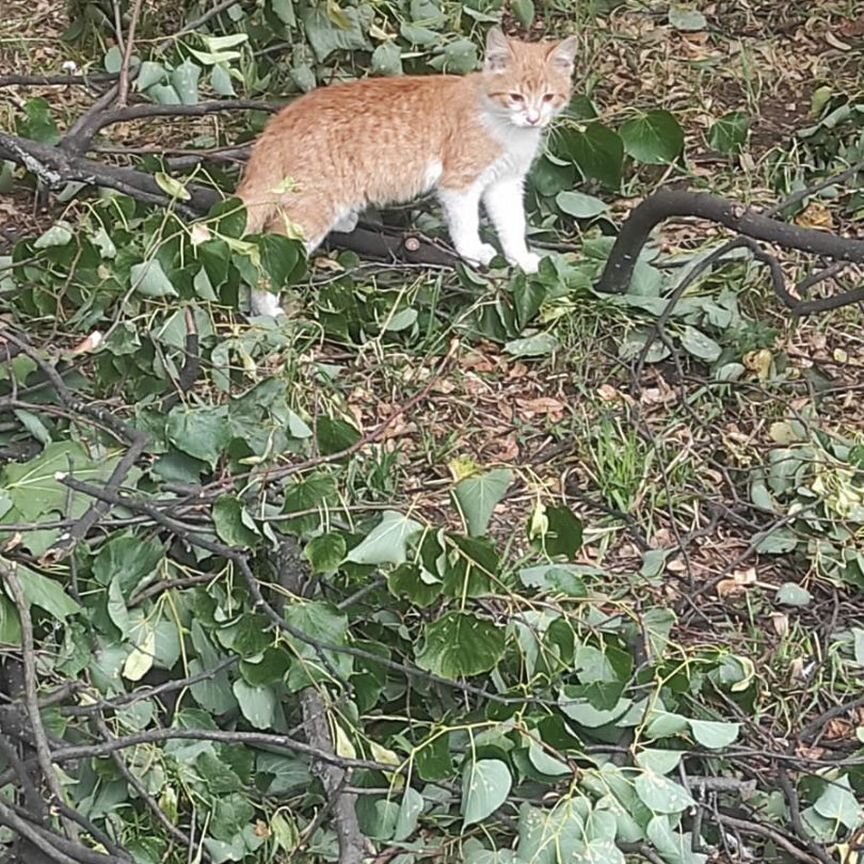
123 83
31 684
149 802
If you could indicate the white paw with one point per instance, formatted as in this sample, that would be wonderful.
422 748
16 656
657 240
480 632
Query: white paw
266 304
528 262
481 254
347 223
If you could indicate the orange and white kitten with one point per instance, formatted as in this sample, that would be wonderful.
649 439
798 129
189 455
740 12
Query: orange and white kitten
336 150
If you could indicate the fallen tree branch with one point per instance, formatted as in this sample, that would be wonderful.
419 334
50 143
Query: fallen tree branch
80 136
60 167
668 203
58 80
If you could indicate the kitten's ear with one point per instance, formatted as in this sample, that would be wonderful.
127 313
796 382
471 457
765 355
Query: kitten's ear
497 50
563 54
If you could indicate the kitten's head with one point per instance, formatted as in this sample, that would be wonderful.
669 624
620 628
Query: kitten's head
528 82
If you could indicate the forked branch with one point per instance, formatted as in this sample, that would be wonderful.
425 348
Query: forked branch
669 204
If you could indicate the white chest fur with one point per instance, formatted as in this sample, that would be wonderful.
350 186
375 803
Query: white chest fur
520 146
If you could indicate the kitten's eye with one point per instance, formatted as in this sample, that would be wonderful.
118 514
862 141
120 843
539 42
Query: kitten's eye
517 97
548 97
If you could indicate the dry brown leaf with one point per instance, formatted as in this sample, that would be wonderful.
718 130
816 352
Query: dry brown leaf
759 362
737 583
508 450
91 343
780 623
609 394
543 405
838 729
815 753
815 215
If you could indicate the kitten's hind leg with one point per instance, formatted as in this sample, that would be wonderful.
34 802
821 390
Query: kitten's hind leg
504 204
462 211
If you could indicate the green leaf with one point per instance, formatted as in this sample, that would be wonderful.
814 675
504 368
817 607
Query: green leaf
149 279
661 795
556 531
220 81
46 594
334 436
539 345
433 757
792 594
657 624
729 133
545 763
478 496
284 10
839 803
579 205
37 123
714 734
113 59
695 342
35 489
321 624
659 761
686 20
459 58
233 523
59 234
258 704
387 542
149 73
598 153
164 94
281 259
326 553
654 137
664 724
580 709
599 852
387 59
171 187
485 786
409 811
554 578
459 645
184 80
523 12
325 36
10 623
200 432
418 35
129 559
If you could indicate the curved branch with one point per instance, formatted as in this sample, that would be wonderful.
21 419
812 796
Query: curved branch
80 136
668 203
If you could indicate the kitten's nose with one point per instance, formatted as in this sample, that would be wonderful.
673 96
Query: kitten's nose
533 117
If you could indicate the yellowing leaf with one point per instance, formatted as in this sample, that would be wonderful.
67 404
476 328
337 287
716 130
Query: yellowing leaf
140 661
171 187
815 215
344 747
759 362
462 467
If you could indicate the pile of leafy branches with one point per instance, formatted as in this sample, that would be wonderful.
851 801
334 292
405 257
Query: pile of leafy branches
237 628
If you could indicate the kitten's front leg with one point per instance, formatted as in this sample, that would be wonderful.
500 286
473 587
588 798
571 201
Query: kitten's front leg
503 202
462 210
